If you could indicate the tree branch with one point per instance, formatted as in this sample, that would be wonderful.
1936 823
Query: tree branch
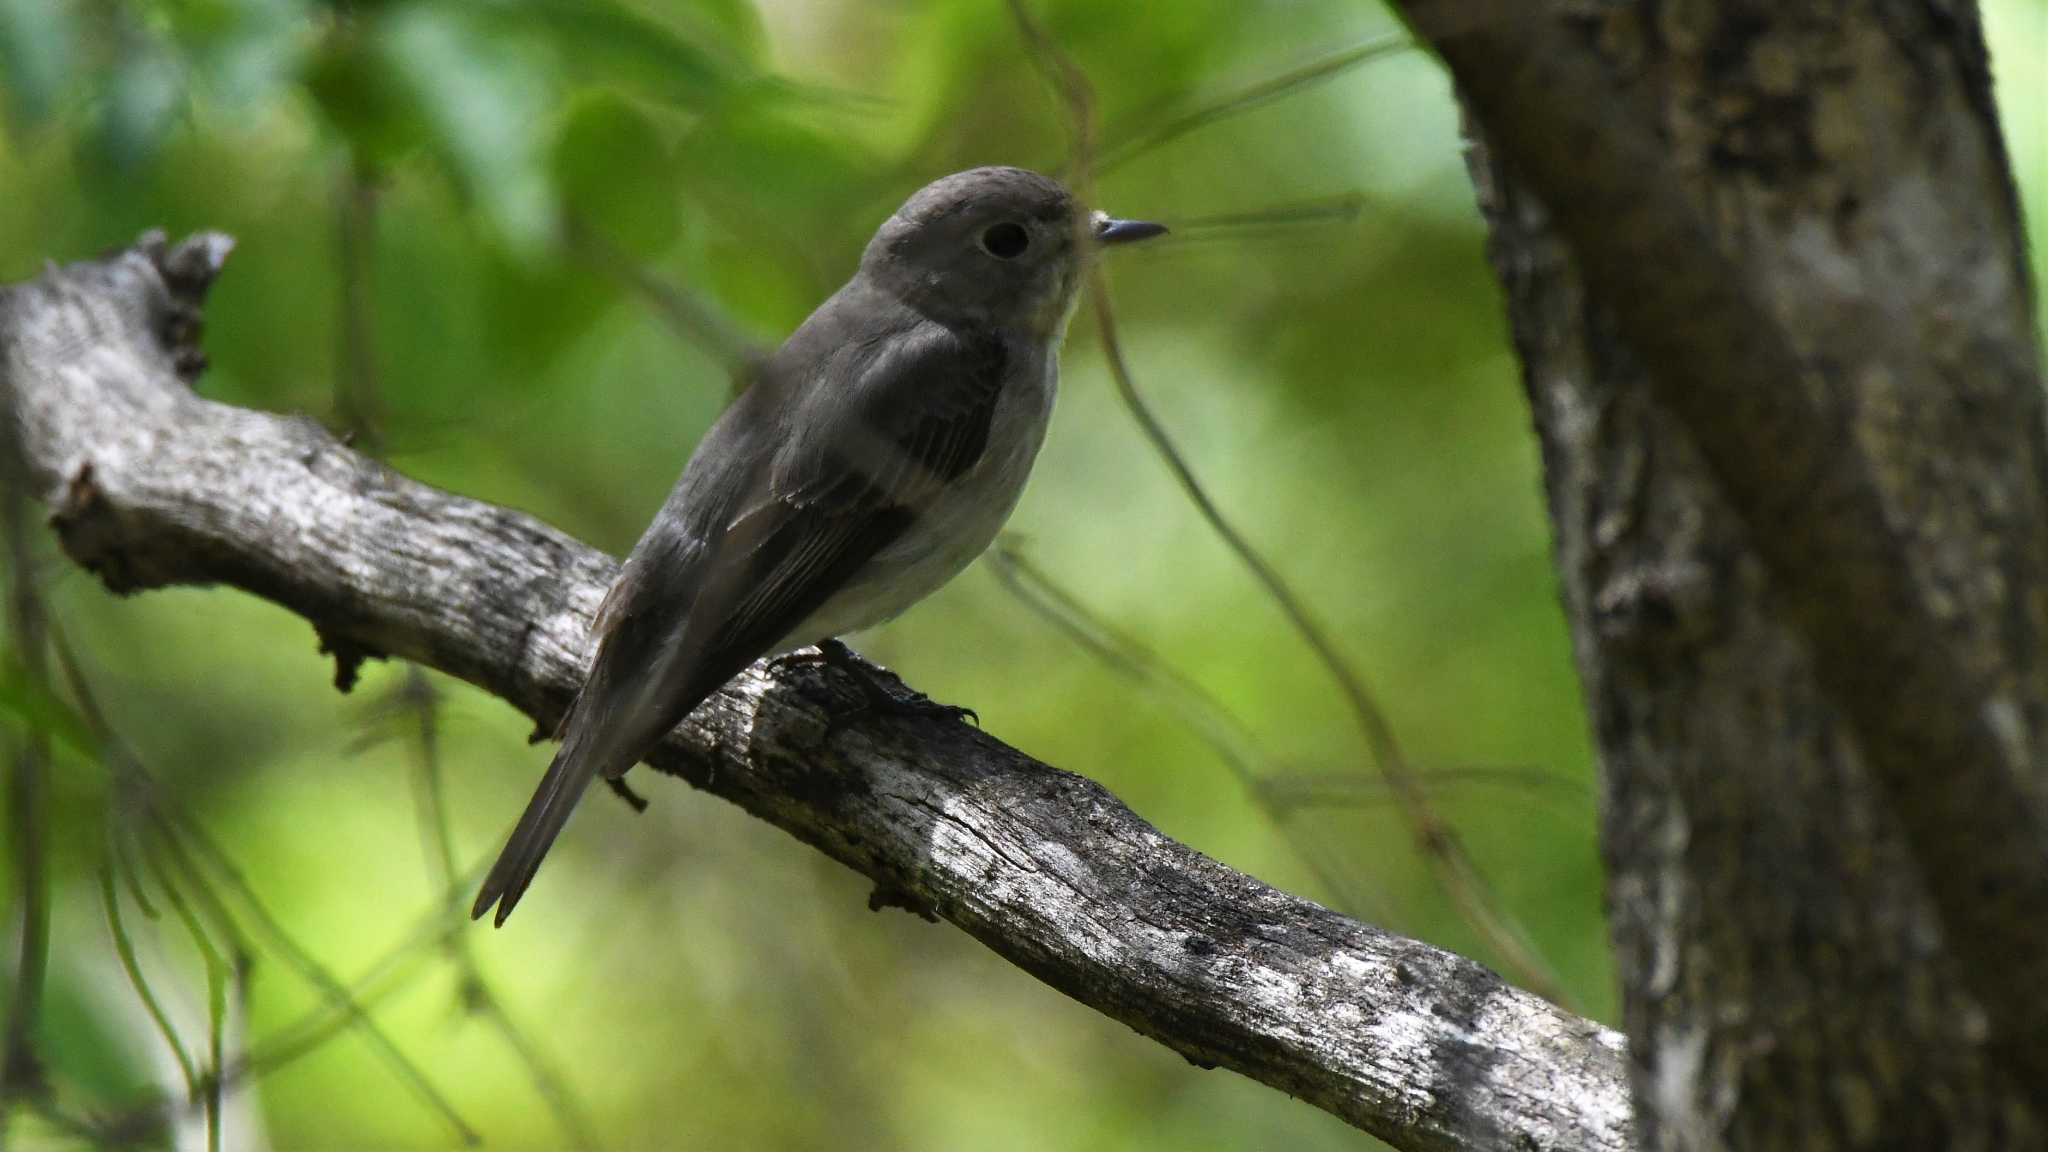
152 485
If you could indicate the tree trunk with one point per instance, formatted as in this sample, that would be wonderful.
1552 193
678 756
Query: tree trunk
1800 964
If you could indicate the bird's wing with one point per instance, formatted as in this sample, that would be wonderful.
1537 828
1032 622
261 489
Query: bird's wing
694 606
917 417
852 477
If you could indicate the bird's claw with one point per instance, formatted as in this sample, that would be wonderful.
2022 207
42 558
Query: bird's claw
881 700
917 706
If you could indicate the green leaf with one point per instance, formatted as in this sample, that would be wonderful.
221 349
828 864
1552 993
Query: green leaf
768 162
245 53
599 41
738 23
772 295
617 175
36 41
534 312
485 100
144 95
363 98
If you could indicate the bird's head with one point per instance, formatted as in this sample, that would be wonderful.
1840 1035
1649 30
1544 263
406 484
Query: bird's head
996 246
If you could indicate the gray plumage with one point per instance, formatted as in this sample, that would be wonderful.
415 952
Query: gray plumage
876 454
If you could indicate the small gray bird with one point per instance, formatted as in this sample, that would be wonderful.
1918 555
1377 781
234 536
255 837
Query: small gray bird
875 455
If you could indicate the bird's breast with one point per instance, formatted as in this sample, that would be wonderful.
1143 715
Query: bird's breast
960 522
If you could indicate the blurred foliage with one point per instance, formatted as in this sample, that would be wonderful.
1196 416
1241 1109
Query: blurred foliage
693 976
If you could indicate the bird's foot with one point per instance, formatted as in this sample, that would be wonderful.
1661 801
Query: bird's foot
917 704
881 699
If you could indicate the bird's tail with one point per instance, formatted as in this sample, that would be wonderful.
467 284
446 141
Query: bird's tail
614 721
582 758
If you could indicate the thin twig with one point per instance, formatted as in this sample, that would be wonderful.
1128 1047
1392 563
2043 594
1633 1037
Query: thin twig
478 996
91 1133
358 397
322 1023
182 838
1117 153
217 976
1435 838
281 943
1342 208
124 949
1221 730
690 315
385 976
122 853
418 696
1292 790
21 1072
208 1093
357 401
1211 721
1279 793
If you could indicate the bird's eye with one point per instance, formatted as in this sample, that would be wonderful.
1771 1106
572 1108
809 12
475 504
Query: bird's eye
1005 241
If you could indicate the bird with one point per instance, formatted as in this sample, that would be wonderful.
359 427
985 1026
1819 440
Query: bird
871 458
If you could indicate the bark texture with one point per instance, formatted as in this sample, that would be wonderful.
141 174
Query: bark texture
152 485
1766 277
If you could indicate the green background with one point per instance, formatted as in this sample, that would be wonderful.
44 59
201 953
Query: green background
696 978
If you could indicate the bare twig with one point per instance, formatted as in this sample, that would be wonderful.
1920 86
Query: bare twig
391 973
20 1067
183 845
691 316
21 1071
422 700
1288 791
1119 151
124 948
179 831
1434 837
359 400
1280 796
386 976
1211 721
1339 209
217 979
92 1133
206 1094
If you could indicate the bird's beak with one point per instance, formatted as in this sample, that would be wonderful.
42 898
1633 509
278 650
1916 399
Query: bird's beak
1108 230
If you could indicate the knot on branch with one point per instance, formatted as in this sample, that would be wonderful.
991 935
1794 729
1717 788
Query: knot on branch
624 791
348 654
891 896
89 528
187 271
1668 604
